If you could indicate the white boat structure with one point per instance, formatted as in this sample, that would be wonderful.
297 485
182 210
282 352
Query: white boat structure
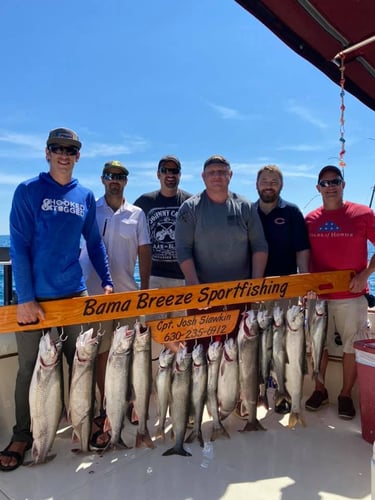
328 459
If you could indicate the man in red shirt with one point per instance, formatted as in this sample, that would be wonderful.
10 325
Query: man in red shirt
339 231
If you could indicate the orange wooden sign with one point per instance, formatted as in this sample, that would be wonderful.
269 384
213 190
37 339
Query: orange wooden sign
142 302
193 327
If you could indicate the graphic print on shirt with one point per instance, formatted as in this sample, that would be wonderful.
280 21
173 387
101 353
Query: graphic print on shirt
162 224
329 226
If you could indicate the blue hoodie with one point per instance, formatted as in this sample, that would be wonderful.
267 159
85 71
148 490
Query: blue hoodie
47 221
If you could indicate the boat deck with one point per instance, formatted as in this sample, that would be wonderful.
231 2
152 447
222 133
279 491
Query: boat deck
328 459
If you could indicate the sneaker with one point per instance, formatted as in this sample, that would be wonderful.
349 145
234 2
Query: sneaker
283 407
317 400
346 408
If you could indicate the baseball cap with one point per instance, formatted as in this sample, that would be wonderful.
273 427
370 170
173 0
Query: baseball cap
169 158
330 168
115 164
65 137
216 159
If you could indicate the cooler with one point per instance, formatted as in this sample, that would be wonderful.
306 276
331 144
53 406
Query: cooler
365 359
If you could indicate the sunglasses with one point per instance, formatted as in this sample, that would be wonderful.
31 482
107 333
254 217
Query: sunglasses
60 150
333 182
165 170
109 176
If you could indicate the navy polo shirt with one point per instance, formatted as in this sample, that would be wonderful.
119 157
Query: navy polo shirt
286 234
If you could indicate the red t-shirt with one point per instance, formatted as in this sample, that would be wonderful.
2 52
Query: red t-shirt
338 240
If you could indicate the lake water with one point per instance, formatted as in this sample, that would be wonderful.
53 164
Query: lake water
4 242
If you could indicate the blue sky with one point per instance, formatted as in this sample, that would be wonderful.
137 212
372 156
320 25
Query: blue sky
139 80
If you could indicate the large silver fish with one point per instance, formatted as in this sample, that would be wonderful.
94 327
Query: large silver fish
228 385
265 321
318 333
142 381
279 353
45 398
248 363
296 365
180 399
215 351
163 383
81 394
198 392
117 382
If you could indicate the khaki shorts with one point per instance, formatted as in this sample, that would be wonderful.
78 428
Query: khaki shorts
161 282
347 317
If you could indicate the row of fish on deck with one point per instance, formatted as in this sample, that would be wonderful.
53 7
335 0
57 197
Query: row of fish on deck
235 369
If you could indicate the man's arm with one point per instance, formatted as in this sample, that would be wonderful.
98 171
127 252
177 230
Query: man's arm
190 273
303 258
259 262
144 260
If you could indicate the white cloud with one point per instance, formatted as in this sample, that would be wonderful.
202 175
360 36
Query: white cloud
227 113
306 115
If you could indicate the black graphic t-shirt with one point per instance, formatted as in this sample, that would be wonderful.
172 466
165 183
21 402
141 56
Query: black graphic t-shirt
161 214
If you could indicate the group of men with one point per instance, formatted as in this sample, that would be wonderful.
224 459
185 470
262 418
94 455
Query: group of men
178 238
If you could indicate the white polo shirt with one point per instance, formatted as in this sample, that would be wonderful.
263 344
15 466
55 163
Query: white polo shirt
123 232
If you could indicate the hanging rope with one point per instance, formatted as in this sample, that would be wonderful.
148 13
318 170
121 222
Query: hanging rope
342 114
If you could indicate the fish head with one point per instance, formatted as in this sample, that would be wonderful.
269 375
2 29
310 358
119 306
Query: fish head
278 315
295 316
198 355
215 350
166 358
249 327
230 349
320 307
48 351
183 360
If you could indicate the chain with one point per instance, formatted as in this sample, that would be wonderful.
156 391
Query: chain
342 115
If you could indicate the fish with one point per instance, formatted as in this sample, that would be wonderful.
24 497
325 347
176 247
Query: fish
265 321
142 381
248 364
180 399
215 351
295 345
318 333
81 395
279 353
163 388
45 398
228 385
198 393
116 383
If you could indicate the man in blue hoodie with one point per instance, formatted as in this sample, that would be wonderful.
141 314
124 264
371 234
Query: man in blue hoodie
49 215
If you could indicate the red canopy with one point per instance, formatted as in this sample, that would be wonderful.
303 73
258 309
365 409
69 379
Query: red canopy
319 30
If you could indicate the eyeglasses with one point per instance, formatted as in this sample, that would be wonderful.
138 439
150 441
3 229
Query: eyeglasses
165 170
60 150
110 176
219 173
332 182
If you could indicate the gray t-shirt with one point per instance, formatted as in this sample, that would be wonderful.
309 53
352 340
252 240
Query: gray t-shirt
219 237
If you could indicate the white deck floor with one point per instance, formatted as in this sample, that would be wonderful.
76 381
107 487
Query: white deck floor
328 459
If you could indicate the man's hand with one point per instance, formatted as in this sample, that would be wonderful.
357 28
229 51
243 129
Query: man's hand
29 313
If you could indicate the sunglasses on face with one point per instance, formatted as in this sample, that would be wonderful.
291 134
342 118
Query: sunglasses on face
60 150
109 176
332 182
165 170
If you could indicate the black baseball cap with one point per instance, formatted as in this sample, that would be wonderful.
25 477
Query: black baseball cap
64 137
169 158
330 168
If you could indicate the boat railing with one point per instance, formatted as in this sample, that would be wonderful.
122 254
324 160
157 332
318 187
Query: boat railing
5 262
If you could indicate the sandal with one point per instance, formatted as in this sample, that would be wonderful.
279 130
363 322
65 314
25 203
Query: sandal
99 422
13 454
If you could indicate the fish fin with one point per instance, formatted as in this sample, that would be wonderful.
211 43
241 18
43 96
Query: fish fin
144 440
177 450
253 426
296 418
219 432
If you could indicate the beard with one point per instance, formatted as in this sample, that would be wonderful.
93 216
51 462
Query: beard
268 196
